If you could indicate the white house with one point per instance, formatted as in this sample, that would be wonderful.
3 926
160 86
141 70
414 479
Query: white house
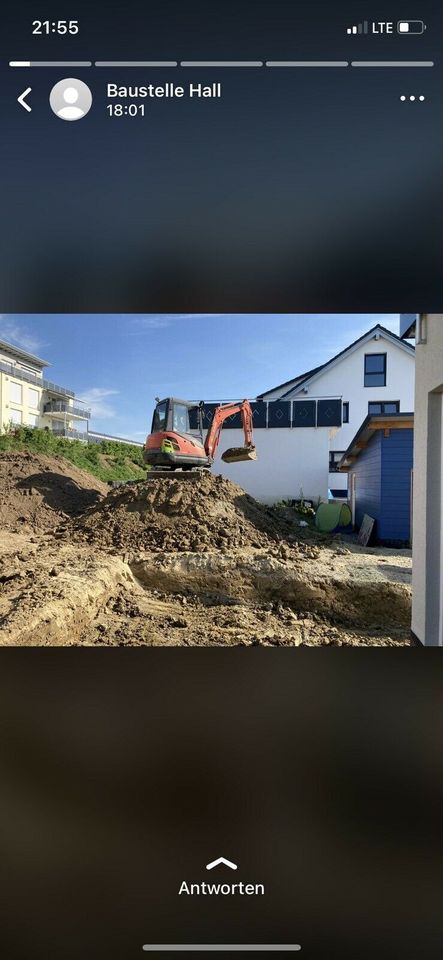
427 604
374 375
304 426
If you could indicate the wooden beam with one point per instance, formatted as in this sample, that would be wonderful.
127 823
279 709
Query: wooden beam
392 425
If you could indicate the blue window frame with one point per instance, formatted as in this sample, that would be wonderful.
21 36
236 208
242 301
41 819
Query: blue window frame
375 369
376 408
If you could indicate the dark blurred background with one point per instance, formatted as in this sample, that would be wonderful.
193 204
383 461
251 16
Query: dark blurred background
125 771
300 190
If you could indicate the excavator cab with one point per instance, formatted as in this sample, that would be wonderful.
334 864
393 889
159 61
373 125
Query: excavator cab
172 415
171 445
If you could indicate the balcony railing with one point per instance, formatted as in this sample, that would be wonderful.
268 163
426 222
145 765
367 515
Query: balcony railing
63 406
19 374
70 434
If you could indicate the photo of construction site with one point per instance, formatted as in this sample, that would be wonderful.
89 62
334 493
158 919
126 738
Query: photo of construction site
214 480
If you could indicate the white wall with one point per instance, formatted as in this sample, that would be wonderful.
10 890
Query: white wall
346 379
427 605
287 460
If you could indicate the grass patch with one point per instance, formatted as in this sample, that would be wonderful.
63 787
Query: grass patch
107 460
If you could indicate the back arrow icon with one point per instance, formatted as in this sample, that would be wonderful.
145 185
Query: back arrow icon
21 99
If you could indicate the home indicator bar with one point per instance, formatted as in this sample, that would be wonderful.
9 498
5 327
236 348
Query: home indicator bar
222 947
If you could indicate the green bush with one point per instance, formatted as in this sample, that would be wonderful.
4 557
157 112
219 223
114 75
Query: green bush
107 460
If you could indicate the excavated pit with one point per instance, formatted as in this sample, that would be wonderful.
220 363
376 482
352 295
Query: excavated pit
164 562
258 579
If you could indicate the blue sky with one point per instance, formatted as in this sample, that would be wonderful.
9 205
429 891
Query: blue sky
118 363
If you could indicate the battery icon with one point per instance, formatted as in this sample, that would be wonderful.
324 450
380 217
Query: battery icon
411 26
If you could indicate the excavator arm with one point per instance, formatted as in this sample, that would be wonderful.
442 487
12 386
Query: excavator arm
234 454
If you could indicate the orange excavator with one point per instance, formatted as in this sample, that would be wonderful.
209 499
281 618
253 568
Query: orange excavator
172 446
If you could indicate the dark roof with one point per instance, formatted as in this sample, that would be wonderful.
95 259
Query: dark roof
384 421
304 377
294 380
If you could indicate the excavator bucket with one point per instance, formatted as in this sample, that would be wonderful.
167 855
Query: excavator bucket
237 454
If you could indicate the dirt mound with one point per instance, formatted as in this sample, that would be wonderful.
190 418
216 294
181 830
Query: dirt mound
38 492
189 562
198 514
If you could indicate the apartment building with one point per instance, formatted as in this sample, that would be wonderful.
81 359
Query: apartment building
427 606
27 398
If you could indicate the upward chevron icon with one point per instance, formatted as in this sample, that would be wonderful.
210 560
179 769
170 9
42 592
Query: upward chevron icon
221 860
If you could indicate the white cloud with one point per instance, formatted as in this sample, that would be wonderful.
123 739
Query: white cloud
15 332
159 321
97 399
140 324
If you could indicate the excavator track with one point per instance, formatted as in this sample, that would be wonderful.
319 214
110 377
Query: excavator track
185 476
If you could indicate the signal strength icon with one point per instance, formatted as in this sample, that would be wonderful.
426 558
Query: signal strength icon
358 28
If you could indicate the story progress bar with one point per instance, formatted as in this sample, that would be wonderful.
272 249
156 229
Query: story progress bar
221 63
50 63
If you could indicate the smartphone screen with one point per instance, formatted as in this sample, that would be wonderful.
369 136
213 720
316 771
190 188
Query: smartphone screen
221 479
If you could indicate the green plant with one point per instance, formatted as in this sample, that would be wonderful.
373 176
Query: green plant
108 460
300 507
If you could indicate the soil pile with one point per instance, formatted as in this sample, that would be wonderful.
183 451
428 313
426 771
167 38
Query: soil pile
38 492
202 513
181 562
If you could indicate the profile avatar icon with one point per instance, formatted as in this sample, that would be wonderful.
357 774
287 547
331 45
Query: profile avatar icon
70 99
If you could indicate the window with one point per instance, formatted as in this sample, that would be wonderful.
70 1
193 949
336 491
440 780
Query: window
180 420
346 412
15 392
159 421
15 416
32 420
334 459
376 409
375 370
33 398
27 369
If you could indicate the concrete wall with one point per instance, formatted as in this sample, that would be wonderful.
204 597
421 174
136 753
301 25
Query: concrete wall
287 460
427 608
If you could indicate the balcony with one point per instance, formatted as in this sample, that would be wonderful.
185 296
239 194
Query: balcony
61 409
18 374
